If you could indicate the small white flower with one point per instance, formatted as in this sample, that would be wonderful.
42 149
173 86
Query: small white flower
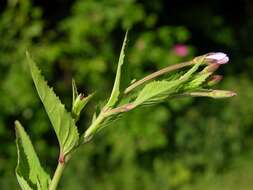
219 58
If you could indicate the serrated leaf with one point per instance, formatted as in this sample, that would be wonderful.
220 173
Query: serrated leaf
116 87
157 91
63 124
29 171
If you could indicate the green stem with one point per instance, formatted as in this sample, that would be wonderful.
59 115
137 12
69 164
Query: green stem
94 127
57 176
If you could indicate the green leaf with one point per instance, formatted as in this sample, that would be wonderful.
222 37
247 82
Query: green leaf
78 101
29 171
74 91
63 123
116 87
79 104
201 77
157 91
197 81
23 183
94 117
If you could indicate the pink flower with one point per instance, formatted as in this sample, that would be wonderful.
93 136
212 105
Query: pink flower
181 50
218 58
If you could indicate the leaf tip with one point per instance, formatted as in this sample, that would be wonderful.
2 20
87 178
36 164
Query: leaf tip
17 124
28 56
18 128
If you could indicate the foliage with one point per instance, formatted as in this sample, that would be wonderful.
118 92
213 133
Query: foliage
29 171
165 147
63 123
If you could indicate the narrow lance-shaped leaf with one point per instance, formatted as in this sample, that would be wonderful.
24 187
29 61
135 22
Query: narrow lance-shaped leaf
63 123
98 121
74 91
116 87
29 172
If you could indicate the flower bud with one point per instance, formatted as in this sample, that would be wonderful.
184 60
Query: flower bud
218 58
212 94
210 68
79 103
215 79
221 94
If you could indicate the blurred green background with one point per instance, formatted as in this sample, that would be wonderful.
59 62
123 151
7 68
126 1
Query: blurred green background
178 145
